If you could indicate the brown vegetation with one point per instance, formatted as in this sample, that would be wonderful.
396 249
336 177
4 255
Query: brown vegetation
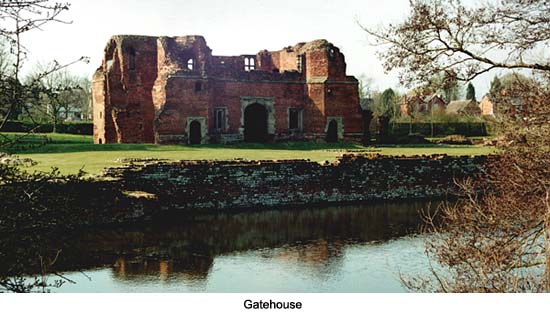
498 238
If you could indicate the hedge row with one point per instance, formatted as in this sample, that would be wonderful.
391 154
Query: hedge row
396 129
77 128
474 129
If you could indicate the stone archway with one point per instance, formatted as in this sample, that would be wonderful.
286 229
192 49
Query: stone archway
268 105
255 123
195 132
332 131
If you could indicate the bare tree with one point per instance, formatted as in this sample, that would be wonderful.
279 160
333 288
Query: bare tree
19 17
20 190
497 238
83 97
60 93
365 87
446 36
4 58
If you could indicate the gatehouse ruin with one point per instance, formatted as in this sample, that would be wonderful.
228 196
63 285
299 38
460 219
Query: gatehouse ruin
173 90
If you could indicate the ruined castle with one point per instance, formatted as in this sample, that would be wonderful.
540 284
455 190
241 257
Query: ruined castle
173 90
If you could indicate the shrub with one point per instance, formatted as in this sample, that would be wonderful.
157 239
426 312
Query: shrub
475 129
455 139
78 128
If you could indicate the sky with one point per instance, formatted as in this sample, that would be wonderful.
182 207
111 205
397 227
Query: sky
229 27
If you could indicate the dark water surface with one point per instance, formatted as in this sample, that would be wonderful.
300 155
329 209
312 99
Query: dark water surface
336 249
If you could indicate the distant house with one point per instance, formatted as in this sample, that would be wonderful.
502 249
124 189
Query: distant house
512 104
73 114
435 103
486 106
463 107
411 104
422 104
69 113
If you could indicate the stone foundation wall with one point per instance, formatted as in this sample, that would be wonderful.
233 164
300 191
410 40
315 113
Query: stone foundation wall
252 184
143 189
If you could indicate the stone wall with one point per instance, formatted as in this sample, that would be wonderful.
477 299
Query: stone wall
141 190
252 184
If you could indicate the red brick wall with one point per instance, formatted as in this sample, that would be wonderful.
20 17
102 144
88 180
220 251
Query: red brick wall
228 94
314 114
264 61
342 100
123 110
156 98
287 60
183 101
98 112
317 64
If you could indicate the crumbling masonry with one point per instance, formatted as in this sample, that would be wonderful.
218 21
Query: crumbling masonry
173 90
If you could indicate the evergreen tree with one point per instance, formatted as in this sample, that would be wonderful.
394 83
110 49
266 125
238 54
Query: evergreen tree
446 85
386 104
470 92
496 87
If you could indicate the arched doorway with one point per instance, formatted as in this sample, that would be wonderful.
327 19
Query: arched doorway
332 131
255 123
195 132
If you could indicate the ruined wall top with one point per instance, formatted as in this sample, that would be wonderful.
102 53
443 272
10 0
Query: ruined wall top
317 60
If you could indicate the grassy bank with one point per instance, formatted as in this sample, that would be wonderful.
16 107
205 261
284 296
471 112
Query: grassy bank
70 153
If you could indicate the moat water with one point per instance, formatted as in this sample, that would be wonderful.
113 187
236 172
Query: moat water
336 249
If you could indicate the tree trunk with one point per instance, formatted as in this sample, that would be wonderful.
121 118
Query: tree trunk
367 118
547 244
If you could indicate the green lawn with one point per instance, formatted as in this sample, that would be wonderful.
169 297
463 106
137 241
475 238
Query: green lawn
72 152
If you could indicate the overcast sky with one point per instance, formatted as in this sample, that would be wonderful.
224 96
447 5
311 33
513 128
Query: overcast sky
230 28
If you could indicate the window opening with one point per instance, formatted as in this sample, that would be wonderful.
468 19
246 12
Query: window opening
198 86
219 119
299 65
295 118
249 64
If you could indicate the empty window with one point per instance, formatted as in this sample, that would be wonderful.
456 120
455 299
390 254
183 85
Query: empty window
190 64
332 53
100 115
198 86
220 119
295 119
249 64
131 59
299 63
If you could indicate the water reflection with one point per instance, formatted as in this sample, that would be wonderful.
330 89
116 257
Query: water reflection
310 243
194 269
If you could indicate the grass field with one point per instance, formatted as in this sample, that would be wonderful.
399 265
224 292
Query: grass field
73 152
